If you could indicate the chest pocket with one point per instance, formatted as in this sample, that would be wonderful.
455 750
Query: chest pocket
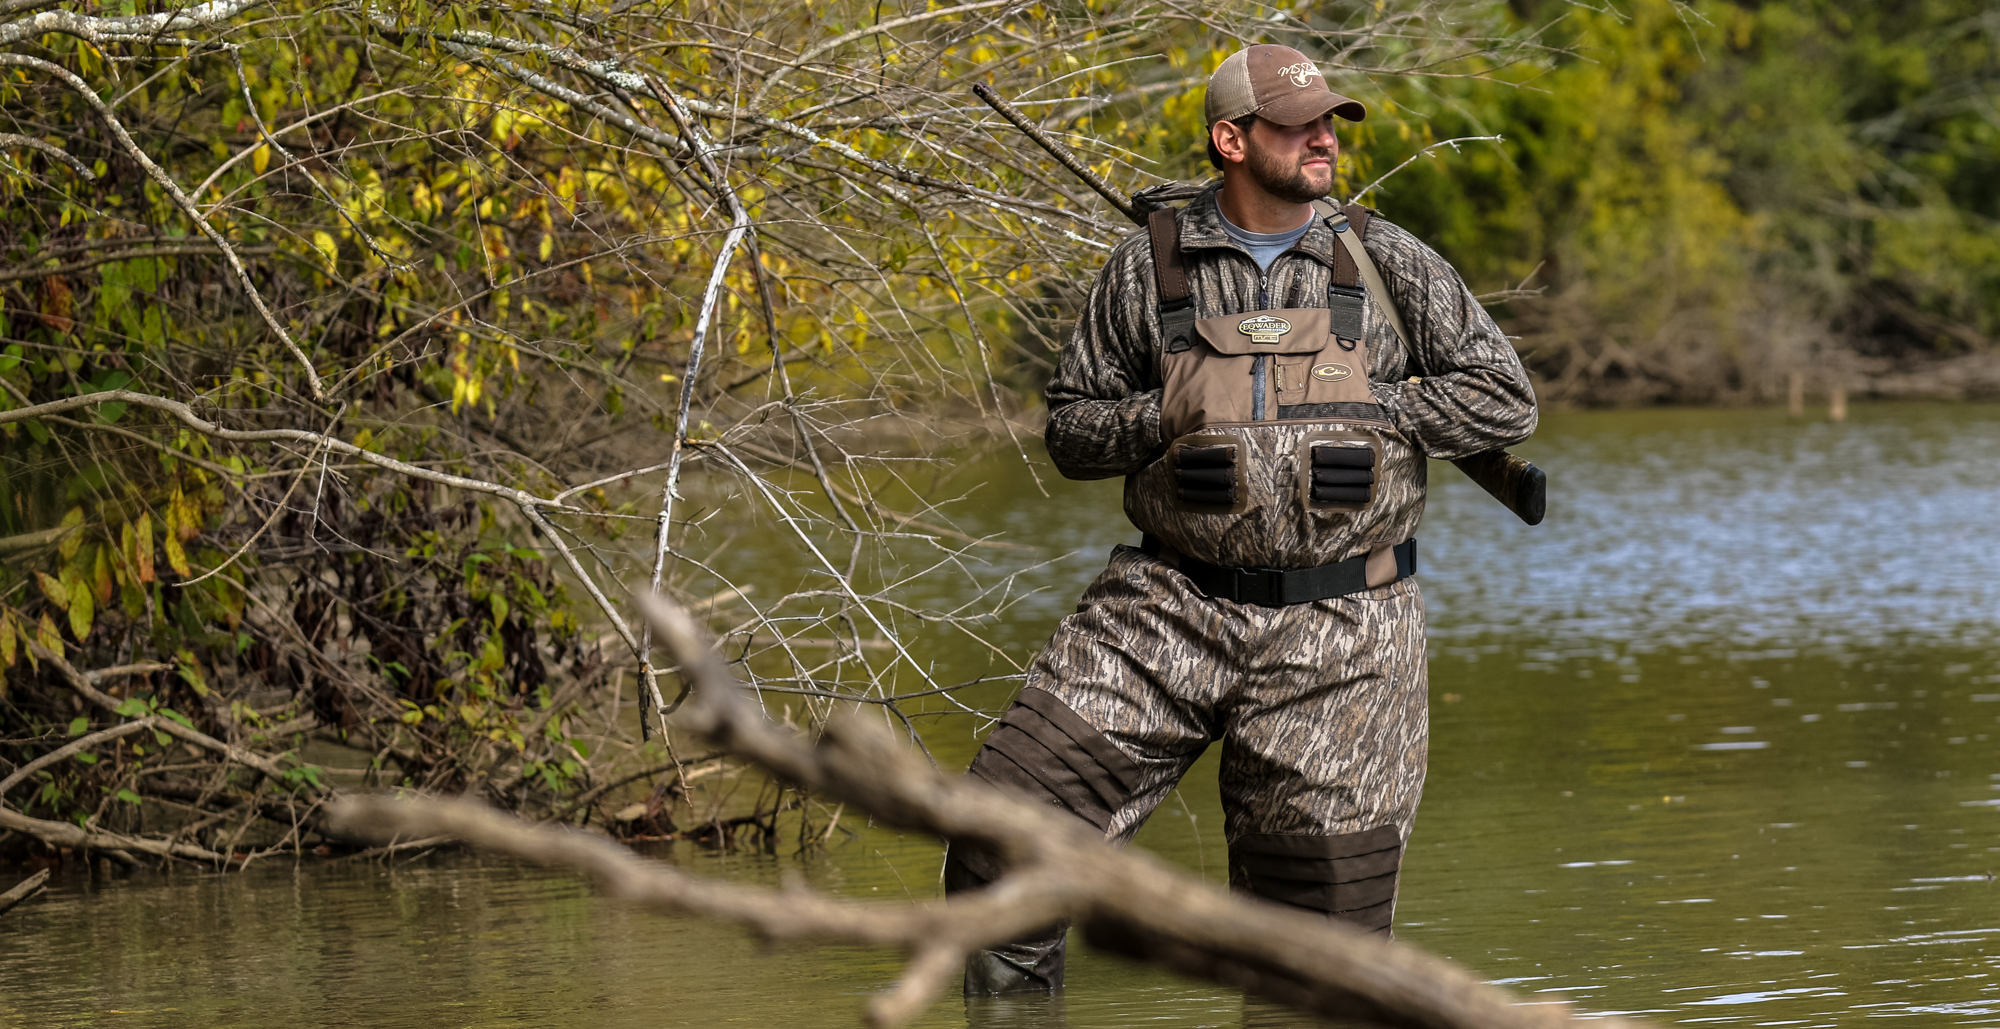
1279 365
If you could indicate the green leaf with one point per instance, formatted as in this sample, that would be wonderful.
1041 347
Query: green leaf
88 759
134 707
177 716
129 797
79 725
82 609
189 671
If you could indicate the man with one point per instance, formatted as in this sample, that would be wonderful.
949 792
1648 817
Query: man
1272 423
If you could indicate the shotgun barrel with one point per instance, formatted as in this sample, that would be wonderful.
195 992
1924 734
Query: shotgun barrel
1519 486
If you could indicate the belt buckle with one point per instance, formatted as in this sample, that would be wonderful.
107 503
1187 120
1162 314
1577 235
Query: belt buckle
1264 587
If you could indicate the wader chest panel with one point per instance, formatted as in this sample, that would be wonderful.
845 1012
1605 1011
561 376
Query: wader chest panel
1278 454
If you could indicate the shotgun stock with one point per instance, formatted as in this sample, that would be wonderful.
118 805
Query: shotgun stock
1520 487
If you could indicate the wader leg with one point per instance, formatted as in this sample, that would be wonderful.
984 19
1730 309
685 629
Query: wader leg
1142 661
1045 751
1323 759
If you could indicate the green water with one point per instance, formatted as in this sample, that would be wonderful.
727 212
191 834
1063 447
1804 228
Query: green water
1715 745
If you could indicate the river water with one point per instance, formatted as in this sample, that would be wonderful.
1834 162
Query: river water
1719 743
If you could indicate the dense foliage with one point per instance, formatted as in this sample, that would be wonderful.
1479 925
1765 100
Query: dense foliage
1716 195
362 360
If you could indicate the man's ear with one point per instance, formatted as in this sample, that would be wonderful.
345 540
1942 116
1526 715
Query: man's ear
1228 139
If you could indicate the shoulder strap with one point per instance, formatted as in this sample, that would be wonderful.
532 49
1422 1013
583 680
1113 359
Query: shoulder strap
1350 225
1170 280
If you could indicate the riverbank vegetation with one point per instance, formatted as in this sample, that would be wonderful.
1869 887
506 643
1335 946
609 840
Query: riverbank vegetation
362 360
1714 196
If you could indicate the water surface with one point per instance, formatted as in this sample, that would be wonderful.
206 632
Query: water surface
1714 744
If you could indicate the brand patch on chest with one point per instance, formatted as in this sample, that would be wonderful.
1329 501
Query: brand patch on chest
1331 372
1264 328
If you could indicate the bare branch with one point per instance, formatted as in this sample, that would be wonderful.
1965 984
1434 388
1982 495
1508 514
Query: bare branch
23 890
1407 161
8 139
1056 867
173 190
76 746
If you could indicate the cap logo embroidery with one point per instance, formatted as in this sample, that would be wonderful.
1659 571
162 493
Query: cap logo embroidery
1300 72
1332 372
1264 328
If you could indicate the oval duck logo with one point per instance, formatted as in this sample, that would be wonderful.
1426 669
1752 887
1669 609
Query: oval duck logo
1264 328
1332 372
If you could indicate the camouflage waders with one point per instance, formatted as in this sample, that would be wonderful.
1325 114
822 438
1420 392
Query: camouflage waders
1320 707
1272 423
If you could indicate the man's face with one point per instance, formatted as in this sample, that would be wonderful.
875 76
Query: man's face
1292 162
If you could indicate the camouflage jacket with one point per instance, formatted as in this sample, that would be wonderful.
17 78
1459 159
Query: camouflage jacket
1104 400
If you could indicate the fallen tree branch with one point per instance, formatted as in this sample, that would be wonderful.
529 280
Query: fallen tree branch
81 684
69 834
23 890
1056 867
31 540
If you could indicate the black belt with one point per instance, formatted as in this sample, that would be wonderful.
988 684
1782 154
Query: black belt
1278 587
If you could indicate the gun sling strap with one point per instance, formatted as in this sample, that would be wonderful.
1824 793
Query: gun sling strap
1346 295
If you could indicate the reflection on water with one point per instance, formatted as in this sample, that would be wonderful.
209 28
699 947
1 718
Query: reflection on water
1741 529
1714 745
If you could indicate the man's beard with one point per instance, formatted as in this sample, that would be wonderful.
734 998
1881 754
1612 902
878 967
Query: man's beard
1283 179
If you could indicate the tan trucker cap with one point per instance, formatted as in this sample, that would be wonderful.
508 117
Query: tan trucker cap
1277 84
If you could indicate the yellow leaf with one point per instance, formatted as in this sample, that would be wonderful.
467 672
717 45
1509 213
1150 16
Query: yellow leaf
548 245
328 249
100 574
177 558
7 643
143 547
74 539
261 159
46 635
53 589
81 610
183 517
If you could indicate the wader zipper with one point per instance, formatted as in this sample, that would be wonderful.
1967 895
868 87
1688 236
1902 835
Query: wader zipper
1257 366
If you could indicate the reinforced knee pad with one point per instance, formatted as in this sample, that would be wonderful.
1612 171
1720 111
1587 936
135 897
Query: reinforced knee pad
1349 876
1046 752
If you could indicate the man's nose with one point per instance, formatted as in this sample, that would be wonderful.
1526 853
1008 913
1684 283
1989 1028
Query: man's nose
1322 133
